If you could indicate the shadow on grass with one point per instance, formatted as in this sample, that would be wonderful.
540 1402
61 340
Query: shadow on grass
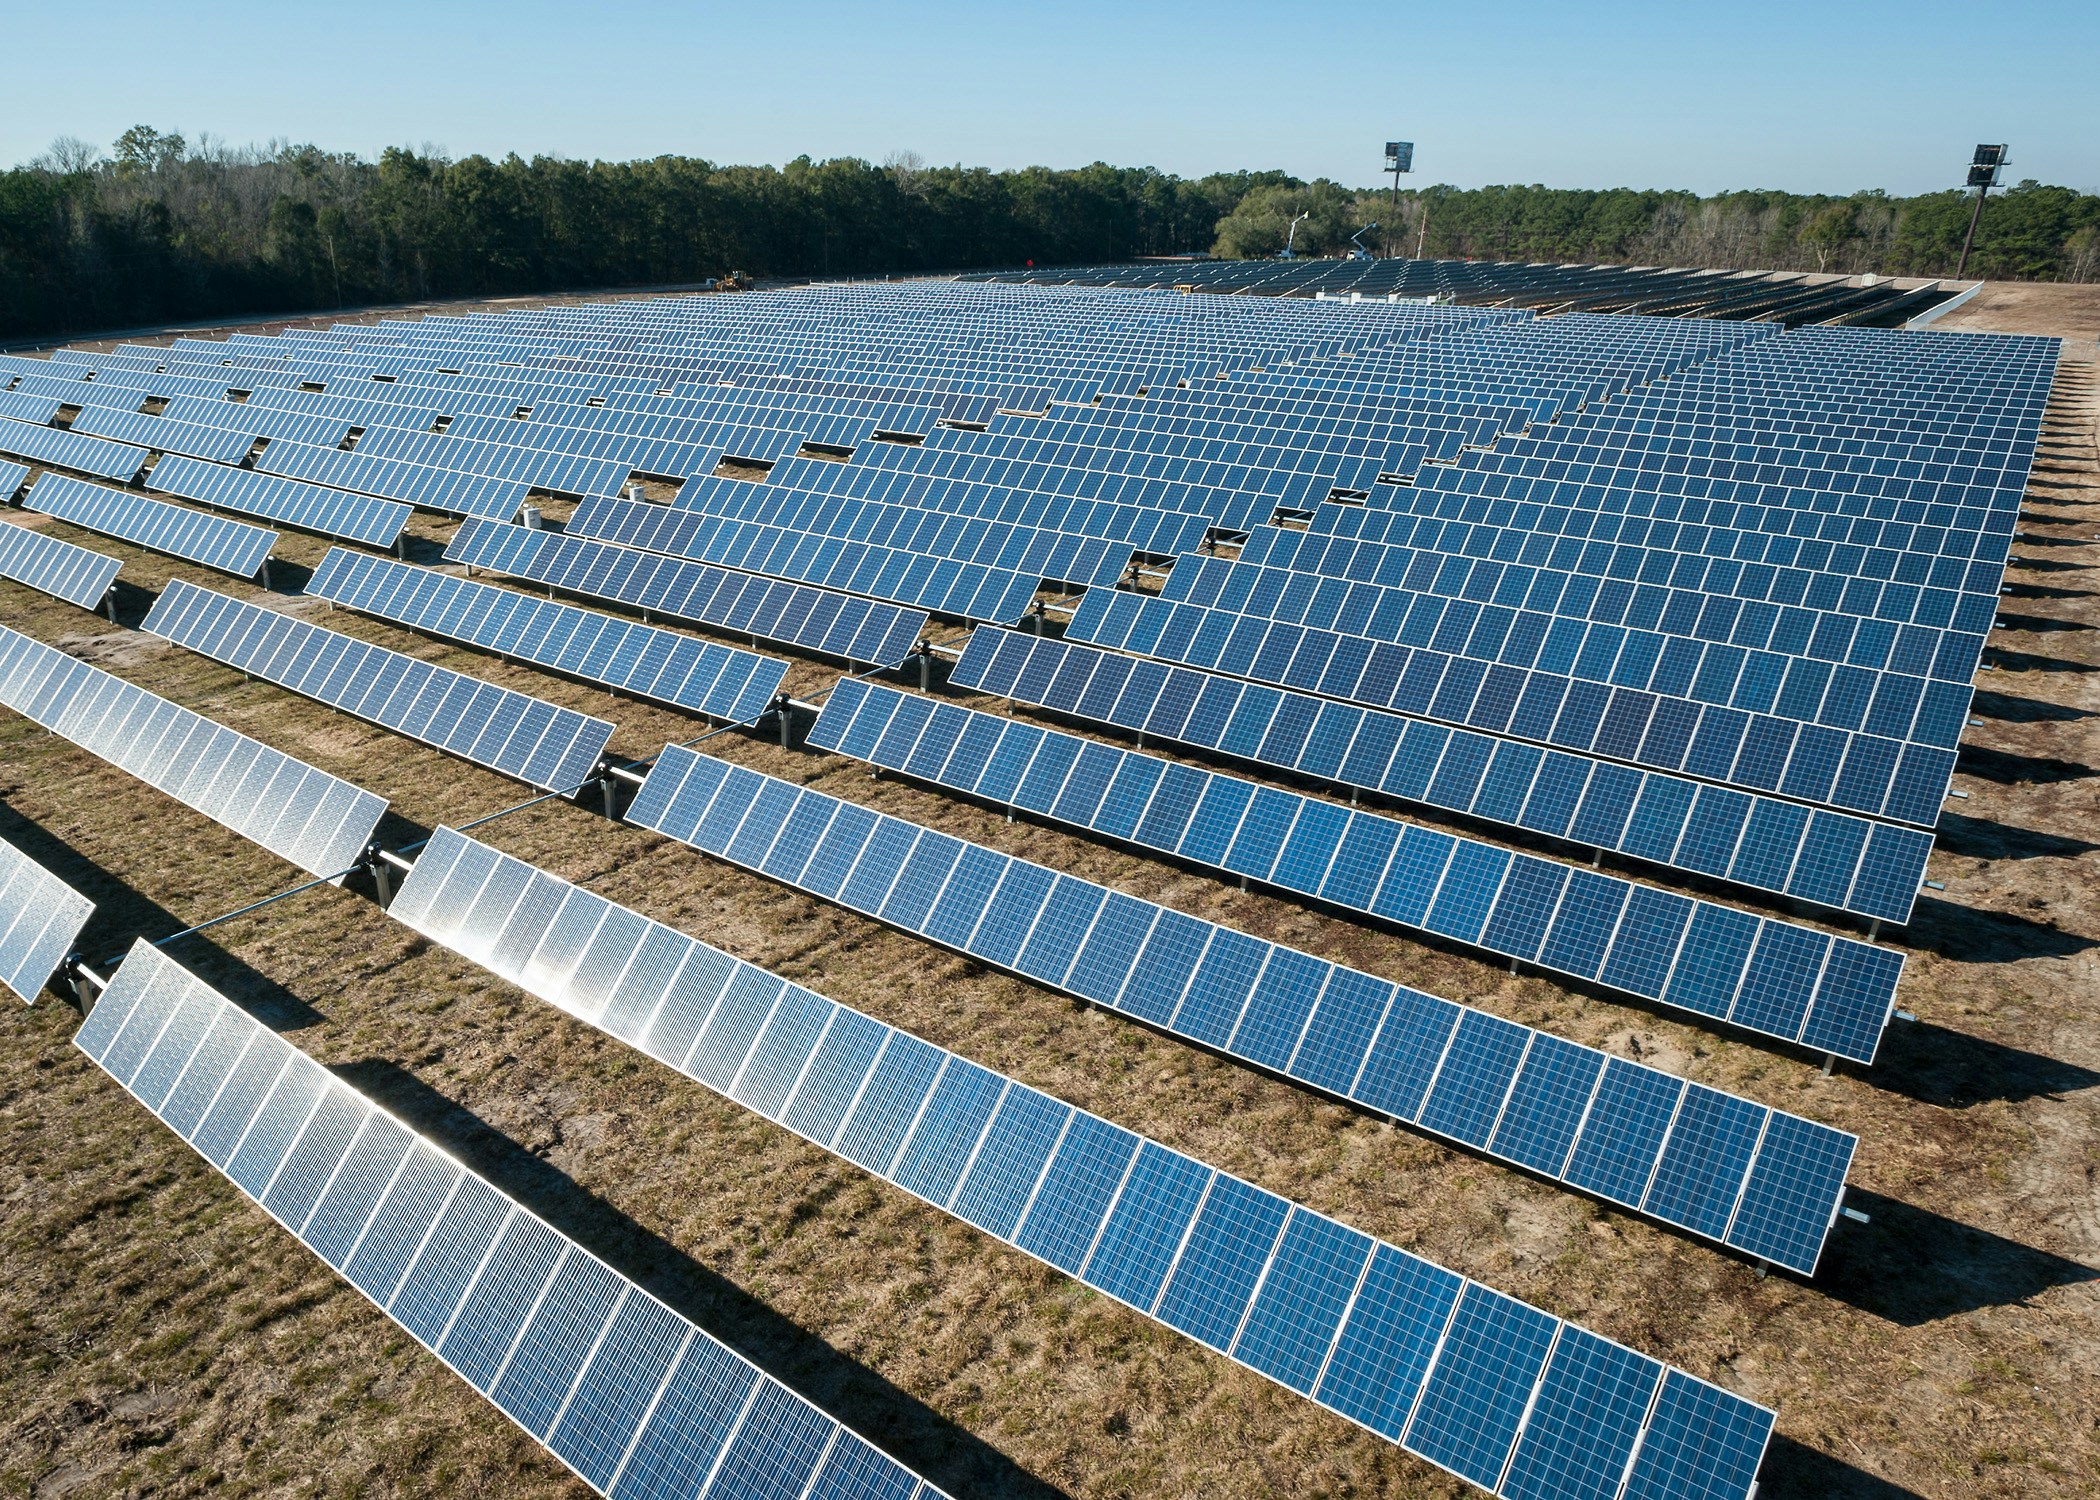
2008 769
1986 937
1912 1267
2016 710
949 1455
1936 1066
2043 591
1980 838
2039 624
1795 1471
2032 661
123 914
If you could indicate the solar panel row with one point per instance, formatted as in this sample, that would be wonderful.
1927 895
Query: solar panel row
40 921
318 822
77 575
540 743
634 1398
416 484
310 507
939 584
719 681
1836 859
1866 769
1570 1113
73 450
818 620
1777 978
165 435
1504 1395
229 546
1040 552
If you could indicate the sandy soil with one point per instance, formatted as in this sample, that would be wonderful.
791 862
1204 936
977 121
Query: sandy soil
159 1336
2068 310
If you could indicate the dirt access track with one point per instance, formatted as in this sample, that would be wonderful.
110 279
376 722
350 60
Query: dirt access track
160 1336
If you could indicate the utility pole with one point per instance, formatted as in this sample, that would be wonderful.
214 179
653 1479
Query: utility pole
1983 176
1422 229
1399 157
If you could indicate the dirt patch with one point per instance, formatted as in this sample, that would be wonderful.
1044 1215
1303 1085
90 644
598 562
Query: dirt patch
2067 309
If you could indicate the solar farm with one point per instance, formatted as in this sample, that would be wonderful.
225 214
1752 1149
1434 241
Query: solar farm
1077 887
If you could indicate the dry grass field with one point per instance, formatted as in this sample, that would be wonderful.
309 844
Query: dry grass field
160 1336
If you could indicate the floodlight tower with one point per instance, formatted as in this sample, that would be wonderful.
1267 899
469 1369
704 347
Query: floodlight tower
1399 157
1983 176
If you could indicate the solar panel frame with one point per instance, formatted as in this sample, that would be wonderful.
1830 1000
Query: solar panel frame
542 744
545 1330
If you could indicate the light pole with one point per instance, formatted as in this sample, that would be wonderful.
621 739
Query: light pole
1983 176
1399 157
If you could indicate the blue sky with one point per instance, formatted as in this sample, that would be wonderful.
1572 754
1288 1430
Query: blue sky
1811 97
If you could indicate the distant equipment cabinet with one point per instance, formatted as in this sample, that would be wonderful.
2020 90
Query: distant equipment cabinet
1984 167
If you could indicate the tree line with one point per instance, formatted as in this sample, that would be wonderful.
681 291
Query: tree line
158 230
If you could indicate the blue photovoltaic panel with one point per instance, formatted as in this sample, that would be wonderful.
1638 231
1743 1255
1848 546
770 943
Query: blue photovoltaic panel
1041 552
12 477
1839 859
1504 1089
831 623
537 742
40 920
1893 764
318 822
310 507
941 584
417 484
1594 926
77 575
720 681
230 546
224 445
1311 1303
598 1372
73 450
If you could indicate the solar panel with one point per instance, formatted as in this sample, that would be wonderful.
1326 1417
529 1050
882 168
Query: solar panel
1859 769
73 450
819 620
1694 954
1599 1124
1768 843
1385 1338
310 507
634 1398
230 546
12 477
162 434
538 742
77 575
40 920
719 681
318 822
418 484
970 591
